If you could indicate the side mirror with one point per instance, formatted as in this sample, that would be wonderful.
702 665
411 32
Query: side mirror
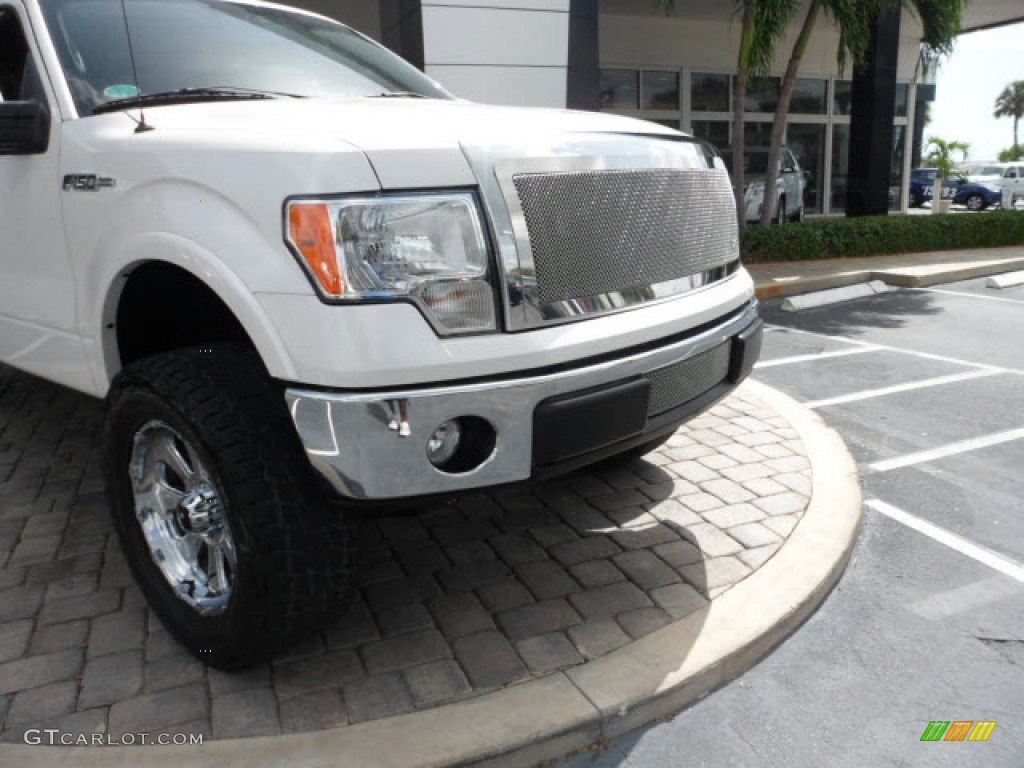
24 127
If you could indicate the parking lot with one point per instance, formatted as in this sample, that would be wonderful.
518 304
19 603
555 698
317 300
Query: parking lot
927 388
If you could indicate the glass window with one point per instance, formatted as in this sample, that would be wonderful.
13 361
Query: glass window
19 79
660 91
709 93
618 89
762 94
843 99
757 135
902 90
840 167
808 145
261 48
715 132
810 97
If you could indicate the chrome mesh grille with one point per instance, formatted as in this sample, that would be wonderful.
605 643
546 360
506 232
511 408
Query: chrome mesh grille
597 232
681 382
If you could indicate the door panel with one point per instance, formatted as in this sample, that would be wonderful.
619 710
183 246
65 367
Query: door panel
37 297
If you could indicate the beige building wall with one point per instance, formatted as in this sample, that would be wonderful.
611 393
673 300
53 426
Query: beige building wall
633 33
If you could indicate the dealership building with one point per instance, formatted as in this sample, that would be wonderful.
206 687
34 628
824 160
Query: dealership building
628 57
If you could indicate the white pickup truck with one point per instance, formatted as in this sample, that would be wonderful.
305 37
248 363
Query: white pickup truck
303 276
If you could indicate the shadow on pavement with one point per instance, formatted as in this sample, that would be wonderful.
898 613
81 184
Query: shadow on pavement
852 318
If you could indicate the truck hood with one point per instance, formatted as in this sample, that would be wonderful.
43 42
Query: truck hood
410 142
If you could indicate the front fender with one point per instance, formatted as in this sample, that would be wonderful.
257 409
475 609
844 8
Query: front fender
109 280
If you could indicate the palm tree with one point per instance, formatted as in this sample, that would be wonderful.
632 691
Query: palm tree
763 23
1010 103
940 156
940 20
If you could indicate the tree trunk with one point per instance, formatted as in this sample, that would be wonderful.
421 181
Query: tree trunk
1016 143
782 111
739 99
937 194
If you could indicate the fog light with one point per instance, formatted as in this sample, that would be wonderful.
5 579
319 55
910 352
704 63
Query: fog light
443 443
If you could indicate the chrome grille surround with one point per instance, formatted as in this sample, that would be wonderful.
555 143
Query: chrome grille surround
598 232
496 166
681 382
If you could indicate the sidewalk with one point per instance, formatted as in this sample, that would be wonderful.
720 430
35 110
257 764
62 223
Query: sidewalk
511 628
910 270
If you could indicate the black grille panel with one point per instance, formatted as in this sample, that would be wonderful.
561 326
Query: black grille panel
681 382
597 232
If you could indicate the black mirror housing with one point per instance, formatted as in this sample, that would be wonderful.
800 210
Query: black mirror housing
24 127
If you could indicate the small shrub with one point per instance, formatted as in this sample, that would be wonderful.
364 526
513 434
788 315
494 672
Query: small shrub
878 235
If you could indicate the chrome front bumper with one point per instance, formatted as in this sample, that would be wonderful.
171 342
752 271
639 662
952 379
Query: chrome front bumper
352 443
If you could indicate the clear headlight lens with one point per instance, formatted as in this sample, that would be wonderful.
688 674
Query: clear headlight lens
755 190
428 248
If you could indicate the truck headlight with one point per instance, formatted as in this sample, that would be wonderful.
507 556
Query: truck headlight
427 248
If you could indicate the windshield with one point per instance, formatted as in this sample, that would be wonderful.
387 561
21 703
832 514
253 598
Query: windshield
988 170
215 44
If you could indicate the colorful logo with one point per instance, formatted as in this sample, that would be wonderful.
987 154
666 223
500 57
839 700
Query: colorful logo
958 730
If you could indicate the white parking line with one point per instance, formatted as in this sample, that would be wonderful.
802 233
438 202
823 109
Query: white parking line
950 449
983 555
967 295
812 357
889 348
910 386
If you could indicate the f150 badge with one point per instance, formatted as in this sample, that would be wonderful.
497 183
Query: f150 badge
86 182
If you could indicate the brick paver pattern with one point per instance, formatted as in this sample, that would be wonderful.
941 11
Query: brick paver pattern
454 600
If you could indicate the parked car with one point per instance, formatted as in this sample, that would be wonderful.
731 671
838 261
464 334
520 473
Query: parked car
301 273
789 190
1002 176
976 195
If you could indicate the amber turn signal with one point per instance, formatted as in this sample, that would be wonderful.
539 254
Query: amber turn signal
310 231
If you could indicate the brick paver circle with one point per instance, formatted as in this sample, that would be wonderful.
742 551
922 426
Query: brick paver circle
453 600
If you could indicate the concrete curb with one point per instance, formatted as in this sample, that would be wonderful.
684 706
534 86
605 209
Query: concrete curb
552 716
907 277
1008 280
833 296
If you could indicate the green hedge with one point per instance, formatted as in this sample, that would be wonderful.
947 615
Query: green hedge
877 235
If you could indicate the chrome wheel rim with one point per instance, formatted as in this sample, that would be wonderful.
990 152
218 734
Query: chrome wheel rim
974 203
181 514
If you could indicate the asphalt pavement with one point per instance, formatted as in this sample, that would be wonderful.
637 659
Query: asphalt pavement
927 388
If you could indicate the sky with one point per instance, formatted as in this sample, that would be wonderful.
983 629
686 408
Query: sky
968 83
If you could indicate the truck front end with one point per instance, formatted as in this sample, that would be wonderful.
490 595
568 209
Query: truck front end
582 299
296 261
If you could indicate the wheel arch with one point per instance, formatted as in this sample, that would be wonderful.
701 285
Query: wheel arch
177 273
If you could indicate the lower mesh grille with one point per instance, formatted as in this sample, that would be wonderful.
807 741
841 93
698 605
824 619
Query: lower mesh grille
598 232
681 382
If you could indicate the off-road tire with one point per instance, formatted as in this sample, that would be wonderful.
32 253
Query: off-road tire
291 543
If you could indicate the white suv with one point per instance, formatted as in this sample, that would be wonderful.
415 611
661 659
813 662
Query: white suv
789 188
1003 176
